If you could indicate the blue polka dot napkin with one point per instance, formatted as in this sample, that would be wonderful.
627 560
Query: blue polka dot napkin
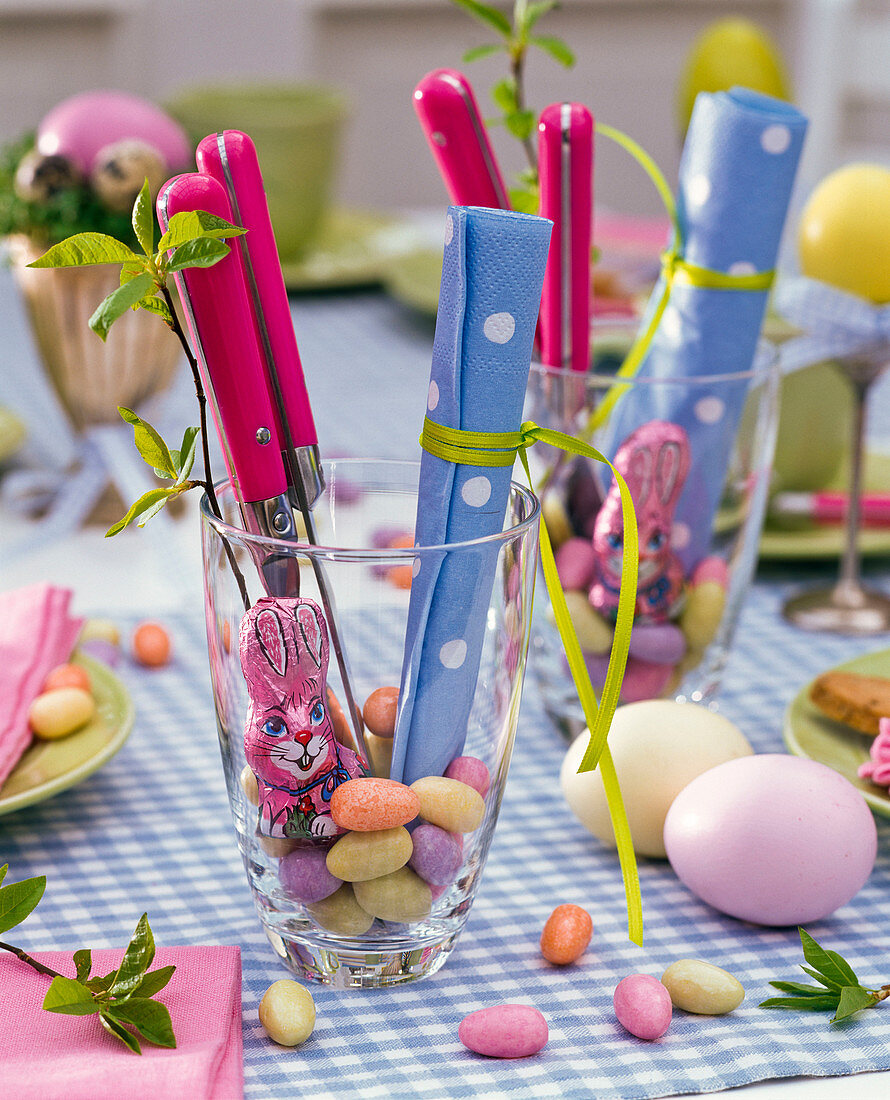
492 273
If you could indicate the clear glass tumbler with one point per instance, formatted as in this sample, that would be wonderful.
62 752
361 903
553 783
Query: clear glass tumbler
691 582
362 566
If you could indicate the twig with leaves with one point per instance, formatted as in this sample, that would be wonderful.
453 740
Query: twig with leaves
123 1000
839 989
516 38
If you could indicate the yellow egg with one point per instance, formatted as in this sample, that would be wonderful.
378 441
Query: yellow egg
730 52
844 234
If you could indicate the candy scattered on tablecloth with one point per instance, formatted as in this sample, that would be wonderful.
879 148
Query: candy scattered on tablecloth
504 1031
700 987
566 934
643 1006
287 1013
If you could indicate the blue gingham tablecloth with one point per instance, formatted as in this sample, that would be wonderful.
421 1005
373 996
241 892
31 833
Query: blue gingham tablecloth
151 831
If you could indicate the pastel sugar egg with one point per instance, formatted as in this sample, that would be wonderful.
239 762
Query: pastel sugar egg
575 563
151 644
402 896
304 875
341 913
379 750
370 803
700 987
566 934
772 839
659 643
448 803
100 650
57 713
437 854
643 1006
702 613
713 568
287 1012
102 629
357 857
658 746
593 631
64 676
642 679
470 770
504 1031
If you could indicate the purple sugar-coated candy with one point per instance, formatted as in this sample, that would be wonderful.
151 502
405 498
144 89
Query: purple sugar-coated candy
470 770
642 679
436 856
304 875
106 652
576 563
383 537
584 497
659 643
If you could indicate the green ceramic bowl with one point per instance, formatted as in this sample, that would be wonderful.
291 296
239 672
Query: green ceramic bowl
296 129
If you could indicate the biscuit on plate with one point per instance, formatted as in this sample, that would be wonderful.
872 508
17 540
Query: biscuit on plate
856 700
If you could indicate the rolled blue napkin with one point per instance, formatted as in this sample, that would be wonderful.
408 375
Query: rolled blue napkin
492 274
736 177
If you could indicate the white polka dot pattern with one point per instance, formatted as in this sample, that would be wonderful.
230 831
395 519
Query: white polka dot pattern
710 410
698 190
449 229
680 536
499 327
433 397
775 139
476 491
453 653
742 267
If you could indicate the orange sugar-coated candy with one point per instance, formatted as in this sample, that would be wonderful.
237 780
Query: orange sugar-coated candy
566 934
151 644
379 711
67 676
401 542
400 576
368 804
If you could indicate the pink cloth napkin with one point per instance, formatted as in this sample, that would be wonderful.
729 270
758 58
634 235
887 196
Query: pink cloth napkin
36 634
53 1057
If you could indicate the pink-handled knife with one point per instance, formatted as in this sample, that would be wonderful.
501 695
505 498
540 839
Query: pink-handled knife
230 158
221 325
565 166
448 112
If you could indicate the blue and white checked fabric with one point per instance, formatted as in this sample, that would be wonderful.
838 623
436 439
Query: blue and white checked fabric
151 831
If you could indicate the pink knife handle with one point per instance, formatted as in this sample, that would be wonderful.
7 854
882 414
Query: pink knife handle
450 118
231 158
222 327
565 166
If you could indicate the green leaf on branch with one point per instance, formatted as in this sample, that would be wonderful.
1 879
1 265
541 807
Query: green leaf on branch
153 303
828 983
149 443
486 14
186 456
120 1032
85 249
192 225
807 1004
829 963
137 959
150 1018
524 200
154 981
478 52
533 12
557 49
203 252
853 998
521 124
118 302
148 505
83 962
504 95
101 985
70 997
130 270
18 899
144 220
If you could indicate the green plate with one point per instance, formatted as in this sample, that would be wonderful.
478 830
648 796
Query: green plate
48 767
810 733
354 248
779 544
414 280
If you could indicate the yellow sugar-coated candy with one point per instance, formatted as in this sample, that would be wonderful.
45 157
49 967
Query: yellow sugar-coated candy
379 754
249 785
277 846
360 856
559 526
287 1012
402 896
700 987
57 713
341 913
594 632
701 616
103 630
448 803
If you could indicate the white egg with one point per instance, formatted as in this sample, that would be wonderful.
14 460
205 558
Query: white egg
658 746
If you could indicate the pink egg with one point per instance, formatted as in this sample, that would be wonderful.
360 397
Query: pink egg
78 127
711 569
575 563
772 839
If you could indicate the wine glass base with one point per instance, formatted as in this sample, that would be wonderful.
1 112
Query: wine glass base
840 611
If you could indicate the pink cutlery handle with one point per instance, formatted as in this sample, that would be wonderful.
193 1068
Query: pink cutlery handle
222 329
231 158
450 118
565 165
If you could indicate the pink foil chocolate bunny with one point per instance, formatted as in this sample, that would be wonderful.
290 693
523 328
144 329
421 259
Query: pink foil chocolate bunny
289 737
654 461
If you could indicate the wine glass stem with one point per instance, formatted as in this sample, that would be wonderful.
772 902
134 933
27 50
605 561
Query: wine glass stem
848 586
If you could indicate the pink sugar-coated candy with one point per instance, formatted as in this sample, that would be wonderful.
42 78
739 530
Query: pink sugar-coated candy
436 856
103 651
470 770
384 537
642 679
438 890
711 569
304 876
367 804
575 563
643 1006
504 1031
659 643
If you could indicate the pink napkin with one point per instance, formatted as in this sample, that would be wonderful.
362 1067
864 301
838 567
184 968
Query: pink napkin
55 1057
36 634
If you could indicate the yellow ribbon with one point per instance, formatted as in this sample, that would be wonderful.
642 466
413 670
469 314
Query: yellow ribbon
675 271
500 449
